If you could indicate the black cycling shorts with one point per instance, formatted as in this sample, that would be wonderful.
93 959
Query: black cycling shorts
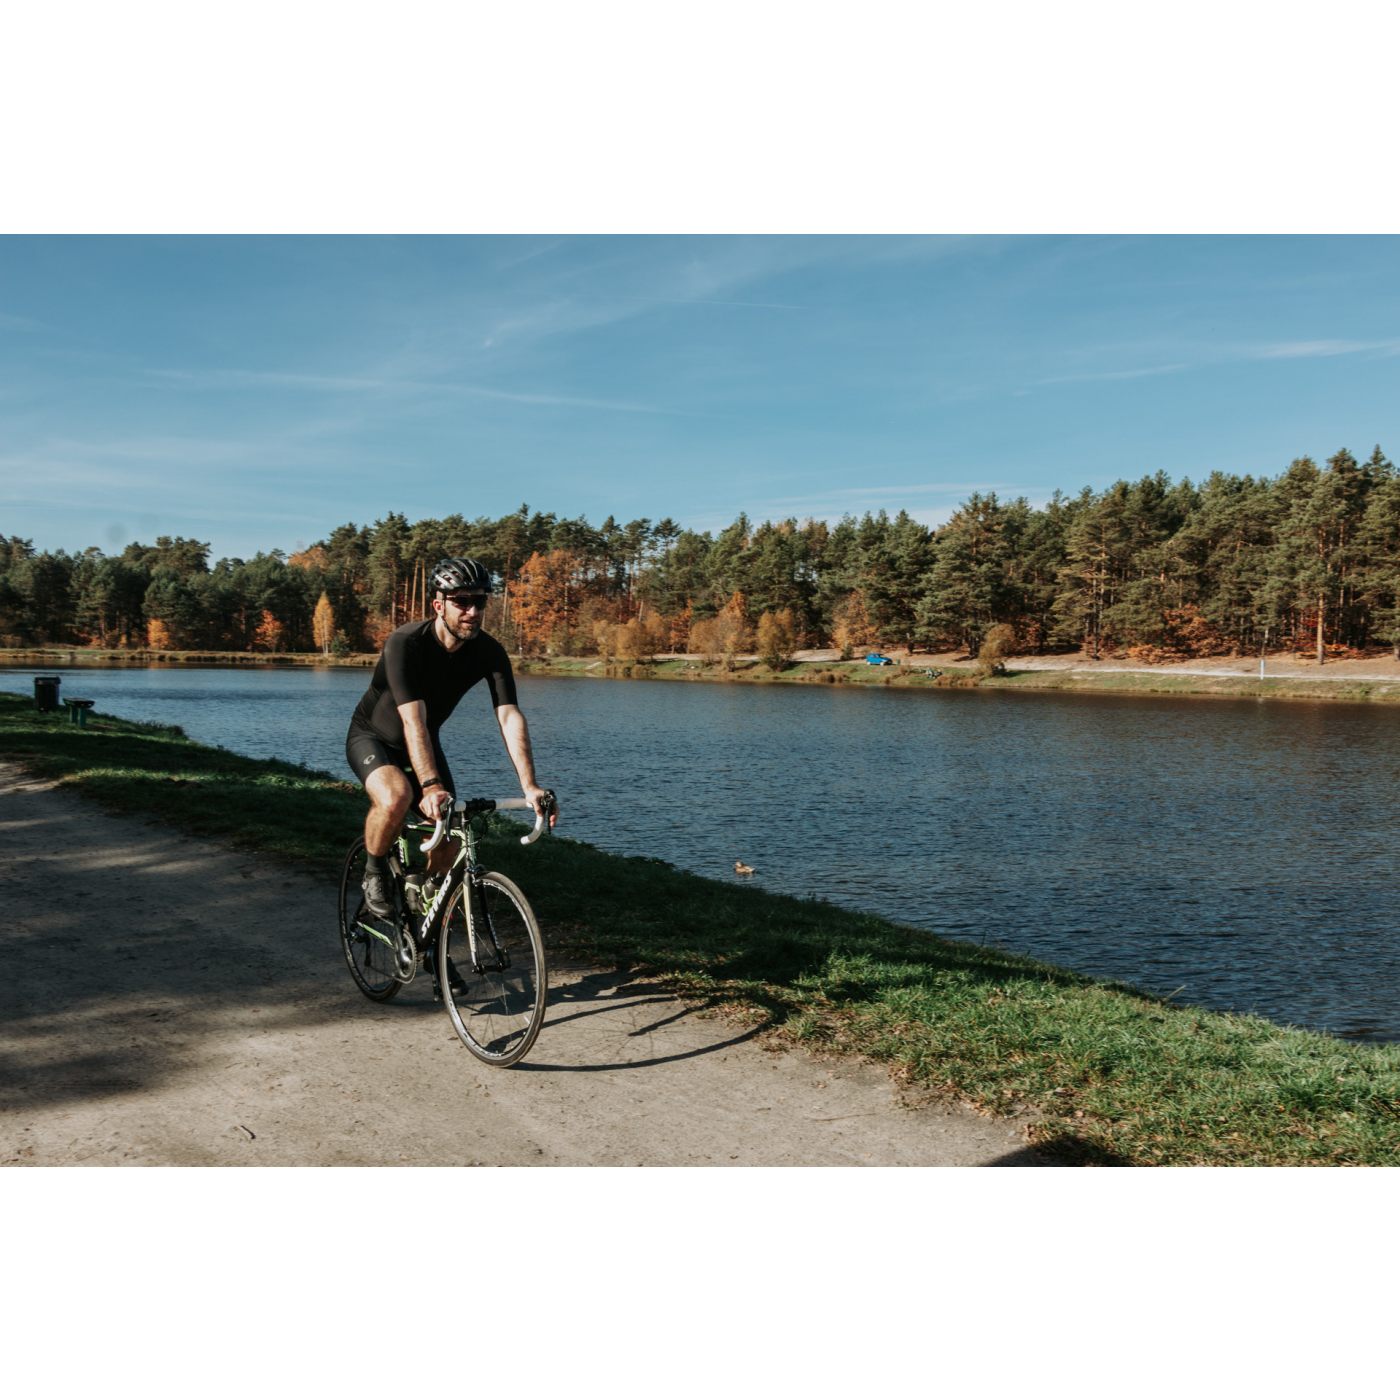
365 751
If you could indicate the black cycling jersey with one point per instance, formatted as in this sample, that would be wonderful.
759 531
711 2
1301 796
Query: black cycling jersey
414 665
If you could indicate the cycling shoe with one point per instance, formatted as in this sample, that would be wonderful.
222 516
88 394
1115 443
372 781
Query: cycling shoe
378 891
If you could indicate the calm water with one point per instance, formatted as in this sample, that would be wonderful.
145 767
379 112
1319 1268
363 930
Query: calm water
1243 852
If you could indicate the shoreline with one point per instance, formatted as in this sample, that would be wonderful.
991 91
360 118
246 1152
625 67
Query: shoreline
1100 1072
39 657
1365 681
1021 674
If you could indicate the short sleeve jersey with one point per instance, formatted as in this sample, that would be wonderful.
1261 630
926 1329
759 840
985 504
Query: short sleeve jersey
414 665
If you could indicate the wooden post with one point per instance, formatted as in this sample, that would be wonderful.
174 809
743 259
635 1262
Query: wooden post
1321 653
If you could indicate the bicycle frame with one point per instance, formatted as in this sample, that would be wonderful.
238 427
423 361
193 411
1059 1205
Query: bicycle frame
464 874
487 959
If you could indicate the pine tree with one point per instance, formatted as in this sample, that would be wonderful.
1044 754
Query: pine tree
971 582
892 565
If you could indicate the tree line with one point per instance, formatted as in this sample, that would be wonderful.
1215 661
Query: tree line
1149 569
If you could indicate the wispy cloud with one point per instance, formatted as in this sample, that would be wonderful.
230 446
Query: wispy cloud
889 493
1113 374
1213 354
1316 349
264 379
161 463
560 400
240 379
215 515
716 273
696 301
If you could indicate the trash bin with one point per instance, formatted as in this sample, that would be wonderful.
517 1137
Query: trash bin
46 692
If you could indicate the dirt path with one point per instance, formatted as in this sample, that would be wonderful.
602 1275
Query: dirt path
170 1001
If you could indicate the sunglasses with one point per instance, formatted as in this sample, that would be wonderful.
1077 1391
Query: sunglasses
467 600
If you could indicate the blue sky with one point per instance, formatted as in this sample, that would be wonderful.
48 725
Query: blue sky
256 392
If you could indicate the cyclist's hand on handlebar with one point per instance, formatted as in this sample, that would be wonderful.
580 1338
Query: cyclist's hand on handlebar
435 801
536 796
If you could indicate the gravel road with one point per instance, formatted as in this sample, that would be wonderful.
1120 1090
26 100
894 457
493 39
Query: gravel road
170 1001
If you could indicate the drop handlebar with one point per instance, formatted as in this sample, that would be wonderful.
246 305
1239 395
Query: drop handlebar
504 804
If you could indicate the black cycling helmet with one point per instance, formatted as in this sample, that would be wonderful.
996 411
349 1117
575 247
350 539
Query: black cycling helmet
452 575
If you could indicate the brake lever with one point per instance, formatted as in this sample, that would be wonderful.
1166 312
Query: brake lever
443 817
547 808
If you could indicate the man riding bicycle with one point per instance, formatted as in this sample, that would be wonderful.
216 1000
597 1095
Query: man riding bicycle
424 670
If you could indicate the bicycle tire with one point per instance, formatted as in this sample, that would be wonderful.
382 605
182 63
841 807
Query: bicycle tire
367 942
500 1009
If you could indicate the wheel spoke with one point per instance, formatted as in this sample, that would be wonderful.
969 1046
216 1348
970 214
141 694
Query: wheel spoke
499 1011
369 944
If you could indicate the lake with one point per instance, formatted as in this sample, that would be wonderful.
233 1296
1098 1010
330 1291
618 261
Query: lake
1240 853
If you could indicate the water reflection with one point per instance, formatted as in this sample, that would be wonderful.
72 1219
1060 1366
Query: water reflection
1236 850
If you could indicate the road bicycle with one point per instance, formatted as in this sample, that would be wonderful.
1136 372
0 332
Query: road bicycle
472 929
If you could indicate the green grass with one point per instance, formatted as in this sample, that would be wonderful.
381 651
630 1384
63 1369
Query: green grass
1120 1077
277 807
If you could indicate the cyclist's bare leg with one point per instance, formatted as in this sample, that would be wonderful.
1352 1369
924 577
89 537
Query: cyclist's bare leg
390 797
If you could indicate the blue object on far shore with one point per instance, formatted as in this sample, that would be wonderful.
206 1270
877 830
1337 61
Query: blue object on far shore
875 659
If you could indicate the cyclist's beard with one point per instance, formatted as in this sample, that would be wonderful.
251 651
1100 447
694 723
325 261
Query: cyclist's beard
464 631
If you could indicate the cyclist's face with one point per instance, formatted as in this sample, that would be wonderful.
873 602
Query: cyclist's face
461 614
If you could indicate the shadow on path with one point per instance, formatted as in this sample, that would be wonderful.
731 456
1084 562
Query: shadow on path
166 1000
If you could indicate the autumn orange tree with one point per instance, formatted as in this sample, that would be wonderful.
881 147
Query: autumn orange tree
997 645
270 634
777 638
852 630
680 624
641 638
545 598
323 625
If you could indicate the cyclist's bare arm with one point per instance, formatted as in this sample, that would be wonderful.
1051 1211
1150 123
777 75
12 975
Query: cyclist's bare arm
516 733
420 754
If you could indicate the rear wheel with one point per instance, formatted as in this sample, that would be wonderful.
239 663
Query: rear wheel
500 1006
368 942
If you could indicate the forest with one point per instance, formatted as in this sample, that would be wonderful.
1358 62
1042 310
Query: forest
1148 569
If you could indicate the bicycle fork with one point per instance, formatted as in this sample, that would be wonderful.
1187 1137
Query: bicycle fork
483 939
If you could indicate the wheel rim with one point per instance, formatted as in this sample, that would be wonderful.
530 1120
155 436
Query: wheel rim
368 943
499 1010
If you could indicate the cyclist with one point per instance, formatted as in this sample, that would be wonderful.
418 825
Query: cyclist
424 670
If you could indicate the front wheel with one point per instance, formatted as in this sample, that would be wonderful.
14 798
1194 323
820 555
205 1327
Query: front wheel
369 944
499 968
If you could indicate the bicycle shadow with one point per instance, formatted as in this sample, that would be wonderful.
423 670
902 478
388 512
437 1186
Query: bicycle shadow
603 993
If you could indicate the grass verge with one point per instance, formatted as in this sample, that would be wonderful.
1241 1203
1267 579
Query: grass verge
1119 1077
